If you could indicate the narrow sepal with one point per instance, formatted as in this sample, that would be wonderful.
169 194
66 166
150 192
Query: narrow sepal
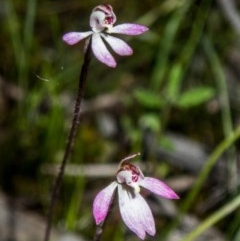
102 201
129 29
74 37
158 187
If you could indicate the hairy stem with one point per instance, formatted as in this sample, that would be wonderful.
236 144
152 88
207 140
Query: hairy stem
70 140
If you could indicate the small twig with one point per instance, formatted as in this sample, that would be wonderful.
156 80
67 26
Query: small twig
71 139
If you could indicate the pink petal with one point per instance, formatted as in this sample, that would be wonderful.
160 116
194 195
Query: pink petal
102 201
118 45
136 213
101 52
129 29
74 37
158 187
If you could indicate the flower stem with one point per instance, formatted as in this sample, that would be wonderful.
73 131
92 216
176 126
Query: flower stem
71 139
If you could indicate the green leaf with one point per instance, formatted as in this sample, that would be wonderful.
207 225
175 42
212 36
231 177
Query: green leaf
148 98
152 121
195 97
174 83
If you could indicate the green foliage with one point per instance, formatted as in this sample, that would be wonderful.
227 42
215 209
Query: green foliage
148 98
174 83
195 97
74 202
152 121
182 66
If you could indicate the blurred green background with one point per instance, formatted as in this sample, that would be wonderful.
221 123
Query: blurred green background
175 100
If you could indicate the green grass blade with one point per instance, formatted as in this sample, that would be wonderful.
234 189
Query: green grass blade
213 219
221 84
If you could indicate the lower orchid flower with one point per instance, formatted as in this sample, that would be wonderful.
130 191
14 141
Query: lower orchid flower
134 210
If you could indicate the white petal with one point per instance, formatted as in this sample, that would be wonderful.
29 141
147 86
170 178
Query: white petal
136 213
158 187
101 52
102 201
74 37
118 45
129 29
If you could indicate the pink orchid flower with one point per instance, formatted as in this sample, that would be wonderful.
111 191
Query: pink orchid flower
101 22
134 209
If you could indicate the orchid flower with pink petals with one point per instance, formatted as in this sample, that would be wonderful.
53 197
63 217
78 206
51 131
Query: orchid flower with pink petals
102 20
134 210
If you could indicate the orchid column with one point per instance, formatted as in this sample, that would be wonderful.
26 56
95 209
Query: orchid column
102 20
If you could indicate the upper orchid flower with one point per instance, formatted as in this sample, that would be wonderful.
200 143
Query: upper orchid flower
134 209
102 20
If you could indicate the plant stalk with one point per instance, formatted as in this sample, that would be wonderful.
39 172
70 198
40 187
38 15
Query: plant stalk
70 140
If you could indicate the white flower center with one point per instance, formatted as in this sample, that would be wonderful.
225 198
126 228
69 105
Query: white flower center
130 174
102 18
